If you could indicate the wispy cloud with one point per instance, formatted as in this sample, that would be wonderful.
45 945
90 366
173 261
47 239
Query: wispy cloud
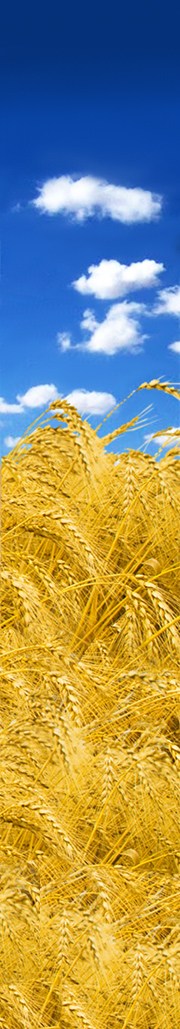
169 301
10 441
110 279
175 346
119 331
87 196
16 208
6 408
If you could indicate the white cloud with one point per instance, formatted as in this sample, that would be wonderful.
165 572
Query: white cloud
175 346
119 330
86 402
91 402
169 301
39 395
110 279
64 340
10 441
89 196
6 408
161 439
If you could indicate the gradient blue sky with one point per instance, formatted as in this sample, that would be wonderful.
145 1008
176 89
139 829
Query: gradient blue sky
89 94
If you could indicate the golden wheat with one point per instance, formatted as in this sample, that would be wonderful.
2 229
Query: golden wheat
90 730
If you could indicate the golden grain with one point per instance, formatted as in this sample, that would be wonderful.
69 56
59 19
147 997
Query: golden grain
89 722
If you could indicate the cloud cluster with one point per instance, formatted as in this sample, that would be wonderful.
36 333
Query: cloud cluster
110 279
120 329
87 196
86 402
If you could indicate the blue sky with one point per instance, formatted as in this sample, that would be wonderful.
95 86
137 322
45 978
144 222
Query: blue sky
90 215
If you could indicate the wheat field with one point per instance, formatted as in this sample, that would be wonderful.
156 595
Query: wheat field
90 731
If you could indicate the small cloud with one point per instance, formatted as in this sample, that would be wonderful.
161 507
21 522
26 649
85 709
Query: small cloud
91 402
175 346
10 441
161 440
85 197
64 341
110 279
169 301
37 396
119 330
